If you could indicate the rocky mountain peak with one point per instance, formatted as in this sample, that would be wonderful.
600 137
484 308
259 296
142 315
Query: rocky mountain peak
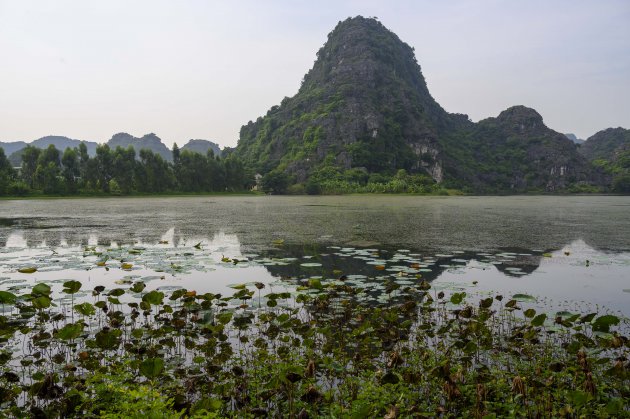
521 118
360 55
152 138
149 142
364 104
121 136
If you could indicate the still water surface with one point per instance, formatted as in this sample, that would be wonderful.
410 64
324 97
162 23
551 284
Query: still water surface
570 253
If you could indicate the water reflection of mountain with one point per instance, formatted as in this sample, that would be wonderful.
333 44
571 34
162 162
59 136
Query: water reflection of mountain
335 264
333 261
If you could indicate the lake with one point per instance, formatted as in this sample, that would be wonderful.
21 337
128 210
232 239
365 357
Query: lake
569 252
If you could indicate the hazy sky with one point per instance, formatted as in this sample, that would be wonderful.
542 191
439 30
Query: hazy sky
200 69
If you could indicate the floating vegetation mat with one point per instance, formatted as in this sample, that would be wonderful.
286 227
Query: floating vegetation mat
321 350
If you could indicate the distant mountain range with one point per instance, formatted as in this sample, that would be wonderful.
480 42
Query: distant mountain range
149 142
13 149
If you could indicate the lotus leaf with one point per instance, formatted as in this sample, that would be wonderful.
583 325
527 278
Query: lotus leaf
71 287
7 297
153 297
70 331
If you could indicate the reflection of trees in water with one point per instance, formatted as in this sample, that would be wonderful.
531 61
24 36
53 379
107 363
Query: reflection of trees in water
34 238
331 262
440 224
437 225
186 234
121 235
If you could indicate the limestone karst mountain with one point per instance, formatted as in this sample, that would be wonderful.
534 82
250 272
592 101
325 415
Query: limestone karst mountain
148 142
365 105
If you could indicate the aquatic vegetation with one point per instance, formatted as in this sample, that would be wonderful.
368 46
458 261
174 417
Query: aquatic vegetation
337 332
332 349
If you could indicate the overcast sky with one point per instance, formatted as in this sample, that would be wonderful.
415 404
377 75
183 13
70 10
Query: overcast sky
200 69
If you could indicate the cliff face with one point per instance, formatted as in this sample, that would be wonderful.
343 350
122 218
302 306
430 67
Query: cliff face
365 104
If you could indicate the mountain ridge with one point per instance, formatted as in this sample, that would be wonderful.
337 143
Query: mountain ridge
122 139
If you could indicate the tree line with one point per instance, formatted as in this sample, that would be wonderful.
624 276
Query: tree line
120 171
